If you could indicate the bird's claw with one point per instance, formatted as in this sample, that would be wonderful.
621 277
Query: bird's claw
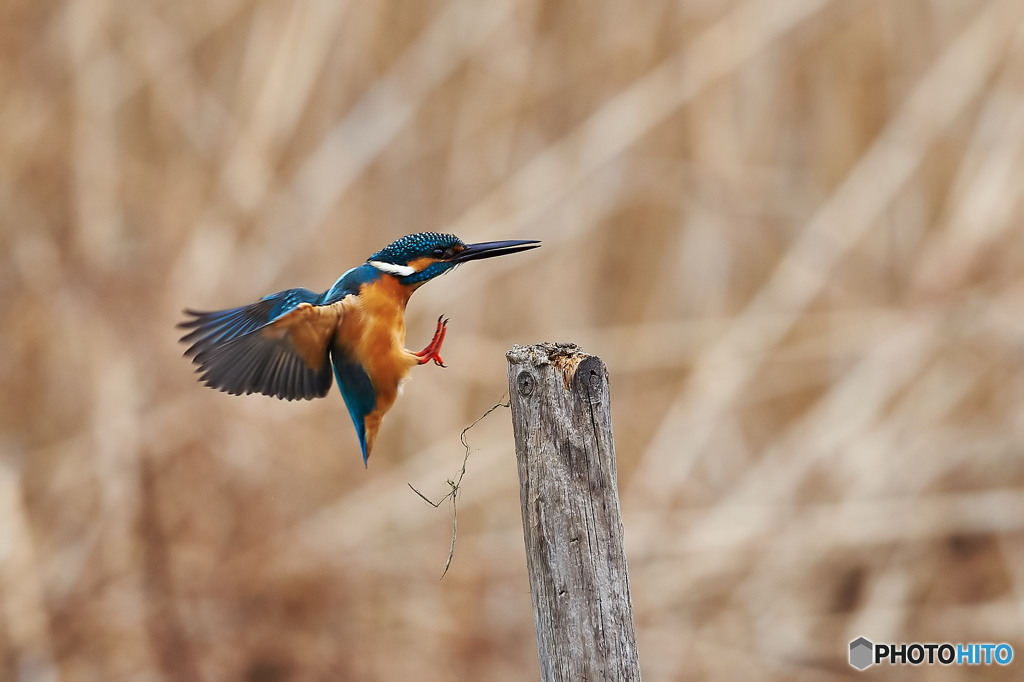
433 349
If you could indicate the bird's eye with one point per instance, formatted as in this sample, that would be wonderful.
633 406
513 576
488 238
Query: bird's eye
439 252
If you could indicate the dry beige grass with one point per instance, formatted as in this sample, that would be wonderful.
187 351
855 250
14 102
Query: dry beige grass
792 230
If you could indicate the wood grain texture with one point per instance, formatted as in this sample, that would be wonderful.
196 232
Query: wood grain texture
561 416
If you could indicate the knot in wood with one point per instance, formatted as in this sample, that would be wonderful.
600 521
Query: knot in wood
525 383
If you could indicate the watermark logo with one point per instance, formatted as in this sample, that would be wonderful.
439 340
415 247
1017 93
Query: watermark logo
865 653
862 653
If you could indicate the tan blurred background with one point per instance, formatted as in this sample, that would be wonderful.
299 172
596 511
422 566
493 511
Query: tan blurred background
791 229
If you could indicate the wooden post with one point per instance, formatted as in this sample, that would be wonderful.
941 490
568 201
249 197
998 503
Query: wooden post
561 416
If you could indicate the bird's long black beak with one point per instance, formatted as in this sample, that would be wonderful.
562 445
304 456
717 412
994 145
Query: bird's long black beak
491 249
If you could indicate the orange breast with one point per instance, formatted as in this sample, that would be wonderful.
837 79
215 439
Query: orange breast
373 334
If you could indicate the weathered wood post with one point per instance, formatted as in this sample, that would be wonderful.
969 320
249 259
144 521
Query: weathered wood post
561 416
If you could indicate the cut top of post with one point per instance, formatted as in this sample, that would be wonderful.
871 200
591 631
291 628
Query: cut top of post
565 357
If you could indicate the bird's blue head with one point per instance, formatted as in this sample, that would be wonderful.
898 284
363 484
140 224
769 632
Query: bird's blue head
418 258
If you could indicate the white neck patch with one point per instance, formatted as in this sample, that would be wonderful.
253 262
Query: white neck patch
392 269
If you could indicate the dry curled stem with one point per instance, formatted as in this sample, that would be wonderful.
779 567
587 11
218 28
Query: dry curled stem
455 485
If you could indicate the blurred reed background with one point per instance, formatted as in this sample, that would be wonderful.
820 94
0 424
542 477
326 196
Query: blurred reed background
791 229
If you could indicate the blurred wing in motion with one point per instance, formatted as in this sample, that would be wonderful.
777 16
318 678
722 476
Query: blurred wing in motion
278 346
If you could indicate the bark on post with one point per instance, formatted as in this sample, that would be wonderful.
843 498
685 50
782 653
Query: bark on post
561 417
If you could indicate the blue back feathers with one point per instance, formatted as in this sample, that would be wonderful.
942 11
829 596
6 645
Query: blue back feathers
349 283
357 390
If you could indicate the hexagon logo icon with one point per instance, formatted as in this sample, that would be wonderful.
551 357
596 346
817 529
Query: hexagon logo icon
861 653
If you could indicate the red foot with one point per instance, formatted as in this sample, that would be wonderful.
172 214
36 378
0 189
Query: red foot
433 349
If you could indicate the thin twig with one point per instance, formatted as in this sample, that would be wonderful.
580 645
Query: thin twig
457 483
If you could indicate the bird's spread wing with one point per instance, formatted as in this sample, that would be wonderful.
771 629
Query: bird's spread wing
277 346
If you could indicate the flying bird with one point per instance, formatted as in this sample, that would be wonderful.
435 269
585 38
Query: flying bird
288 344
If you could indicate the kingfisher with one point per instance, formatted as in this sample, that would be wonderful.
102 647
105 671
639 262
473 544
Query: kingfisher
287 344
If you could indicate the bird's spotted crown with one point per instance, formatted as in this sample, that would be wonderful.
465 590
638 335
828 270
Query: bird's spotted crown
423 244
